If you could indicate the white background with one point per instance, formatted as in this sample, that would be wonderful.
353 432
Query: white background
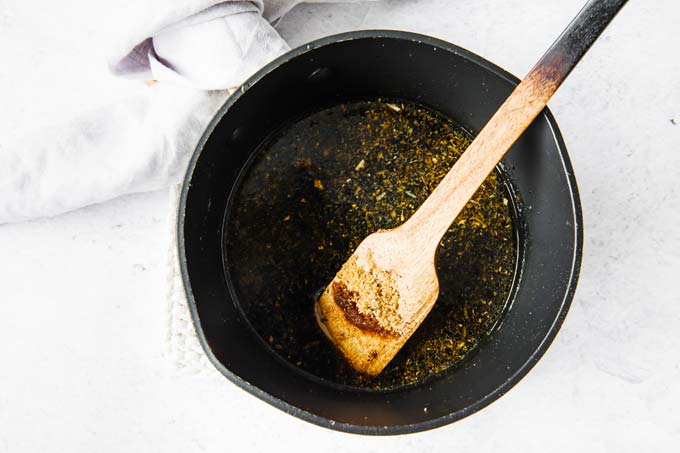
82 296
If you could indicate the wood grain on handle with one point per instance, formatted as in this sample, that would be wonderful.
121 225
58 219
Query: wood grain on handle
435 215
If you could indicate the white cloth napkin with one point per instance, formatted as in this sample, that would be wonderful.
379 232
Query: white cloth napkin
133 138
214 49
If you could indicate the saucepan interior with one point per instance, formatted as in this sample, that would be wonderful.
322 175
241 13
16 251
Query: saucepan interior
444 78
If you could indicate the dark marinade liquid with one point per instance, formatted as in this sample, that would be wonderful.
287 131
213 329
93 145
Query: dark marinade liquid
314 190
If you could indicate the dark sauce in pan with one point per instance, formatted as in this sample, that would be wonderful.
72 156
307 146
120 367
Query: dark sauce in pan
314 190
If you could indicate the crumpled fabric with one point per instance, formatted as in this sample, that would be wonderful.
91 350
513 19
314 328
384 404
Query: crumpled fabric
132 136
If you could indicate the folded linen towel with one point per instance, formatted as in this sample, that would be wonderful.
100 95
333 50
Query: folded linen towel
131 137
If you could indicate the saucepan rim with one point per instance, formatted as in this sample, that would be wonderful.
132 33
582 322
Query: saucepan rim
395 429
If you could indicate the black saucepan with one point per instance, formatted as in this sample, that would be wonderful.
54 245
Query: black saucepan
445 78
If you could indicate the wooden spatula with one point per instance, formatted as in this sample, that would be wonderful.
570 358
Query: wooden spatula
389 284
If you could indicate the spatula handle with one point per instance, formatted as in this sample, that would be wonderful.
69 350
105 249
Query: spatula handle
429 223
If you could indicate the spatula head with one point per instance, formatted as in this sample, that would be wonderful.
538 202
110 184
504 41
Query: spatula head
377 300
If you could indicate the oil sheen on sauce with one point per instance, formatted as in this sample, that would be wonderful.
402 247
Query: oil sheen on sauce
316 188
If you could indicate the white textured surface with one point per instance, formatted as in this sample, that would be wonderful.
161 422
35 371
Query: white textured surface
82 311
183 347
